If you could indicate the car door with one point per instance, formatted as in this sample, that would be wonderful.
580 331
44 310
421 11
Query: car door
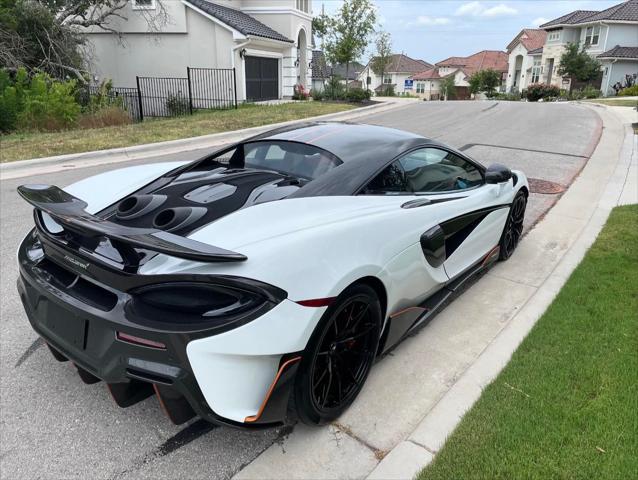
470 213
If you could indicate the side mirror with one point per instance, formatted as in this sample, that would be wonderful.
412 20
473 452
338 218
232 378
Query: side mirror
497 173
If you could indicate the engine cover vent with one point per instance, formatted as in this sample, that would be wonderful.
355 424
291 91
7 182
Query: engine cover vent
210 193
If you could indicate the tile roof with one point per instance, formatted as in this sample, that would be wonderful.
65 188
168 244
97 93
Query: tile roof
571 18
238 20
482 60
404 64
431 74
621 52
531 38
626 11
319 67
355 68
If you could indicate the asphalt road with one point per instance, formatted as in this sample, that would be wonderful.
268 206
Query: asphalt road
54 426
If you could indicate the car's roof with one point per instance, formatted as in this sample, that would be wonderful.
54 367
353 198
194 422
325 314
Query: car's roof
347 141
363 149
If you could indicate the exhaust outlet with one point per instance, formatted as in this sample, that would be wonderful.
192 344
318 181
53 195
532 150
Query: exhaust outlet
172 219
137 206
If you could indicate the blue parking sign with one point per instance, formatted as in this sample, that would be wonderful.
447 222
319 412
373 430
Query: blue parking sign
408 84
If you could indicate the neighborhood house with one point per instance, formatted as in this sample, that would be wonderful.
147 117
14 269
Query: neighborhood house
525 53
610 35
268 43
400 68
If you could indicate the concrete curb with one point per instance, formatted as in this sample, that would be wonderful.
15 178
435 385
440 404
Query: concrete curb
477 333
619 187
22 168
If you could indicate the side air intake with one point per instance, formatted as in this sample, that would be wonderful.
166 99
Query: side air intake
172 219
137 206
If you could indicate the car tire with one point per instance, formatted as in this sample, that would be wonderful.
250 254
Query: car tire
339 356
513 226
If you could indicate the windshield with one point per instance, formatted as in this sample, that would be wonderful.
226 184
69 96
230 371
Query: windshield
290 158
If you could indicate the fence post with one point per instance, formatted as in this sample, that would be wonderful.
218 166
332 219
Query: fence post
190 91
235 85
139 98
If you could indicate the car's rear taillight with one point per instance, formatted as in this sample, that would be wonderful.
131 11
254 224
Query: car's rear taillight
197 305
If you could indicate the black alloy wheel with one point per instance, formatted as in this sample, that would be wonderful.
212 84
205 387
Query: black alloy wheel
513 227
339 356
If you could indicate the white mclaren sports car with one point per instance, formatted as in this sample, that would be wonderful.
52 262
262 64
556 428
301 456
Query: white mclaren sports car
271 272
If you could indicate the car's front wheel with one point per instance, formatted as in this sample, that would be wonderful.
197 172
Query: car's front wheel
339 356
513 226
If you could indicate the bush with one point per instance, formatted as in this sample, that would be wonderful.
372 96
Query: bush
49 104
386 91
334 89
358 95
538 91
12 98
177 104
300 93
590 92
629 91
510 97
317 95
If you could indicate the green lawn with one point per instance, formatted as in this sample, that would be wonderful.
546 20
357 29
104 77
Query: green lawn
20 146
615 102
566 406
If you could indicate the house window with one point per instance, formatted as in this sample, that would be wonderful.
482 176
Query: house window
420 87
592 34
387 80
143 4
536 71
553 36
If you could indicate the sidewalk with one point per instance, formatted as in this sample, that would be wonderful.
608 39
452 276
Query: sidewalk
414 398
24 168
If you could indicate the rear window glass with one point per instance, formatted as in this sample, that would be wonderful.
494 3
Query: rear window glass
290 158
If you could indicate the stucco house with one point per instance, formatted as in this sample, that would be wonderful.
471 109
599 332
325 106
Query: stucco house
611 35
400 68
525 52
428 82
267 42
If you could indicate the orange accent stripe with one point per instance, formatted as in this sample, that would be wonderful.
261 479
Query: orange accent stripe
254 418
401 312
161 402
490 254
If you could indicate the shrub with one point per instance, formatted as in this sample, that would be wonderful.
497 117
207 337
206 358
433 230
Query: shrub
317 95
629 91
12 98
536 91
300 92
49 104
358 95
386 91
105 117
511 97
590 92
177 104
334 89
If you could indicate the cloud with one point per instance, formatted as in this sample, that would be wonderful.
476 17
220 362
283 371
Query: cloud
472 8
425 20
477 9
499 10
539 21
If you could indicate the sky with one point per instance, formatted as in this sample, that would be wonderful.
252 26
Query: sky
433 30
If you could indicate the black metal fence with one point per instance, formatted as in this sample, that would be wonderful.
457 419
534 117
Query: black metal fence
202 88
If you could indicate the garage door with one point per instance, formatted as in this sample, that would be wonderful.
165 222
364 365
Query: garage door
262 78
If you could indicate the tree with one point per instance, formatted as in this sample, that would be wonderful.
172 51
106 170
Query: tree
448 88
490 81
486 81
578 64
45 35
348 31
383 56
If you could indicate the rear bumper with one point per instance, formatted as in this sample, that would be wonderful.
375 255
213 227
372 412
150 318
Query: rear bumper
225 378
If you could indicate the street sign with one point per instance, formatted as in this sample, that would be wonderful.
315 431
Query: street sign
408 84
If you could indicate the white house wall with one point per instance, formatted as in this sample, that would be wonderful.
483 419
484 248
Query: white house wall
526 66
206 45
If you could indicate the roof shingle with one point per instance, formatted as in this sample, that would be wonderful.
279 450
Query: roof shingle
626 11
630 53
531 38
494 59
571 18
238 20
404 64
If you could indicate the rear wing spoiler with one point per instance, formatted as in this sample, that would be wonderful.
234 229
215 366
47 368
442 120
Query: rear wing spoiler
70 213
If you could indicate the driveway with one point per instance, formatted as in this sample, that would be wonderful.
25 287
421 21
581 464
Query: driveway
55 426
